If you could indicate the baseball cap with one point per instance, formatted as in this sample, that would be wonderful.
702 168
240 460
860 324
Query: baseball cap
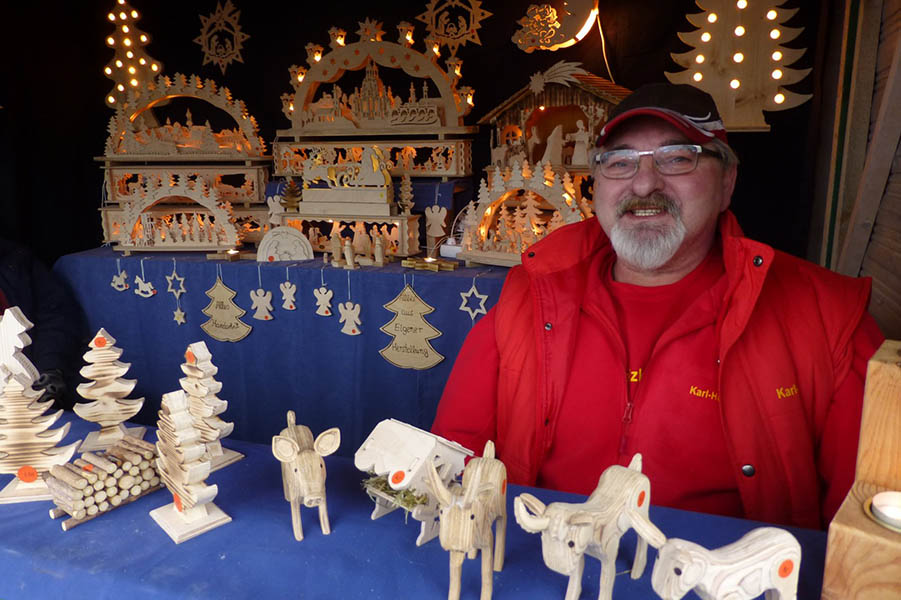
691 110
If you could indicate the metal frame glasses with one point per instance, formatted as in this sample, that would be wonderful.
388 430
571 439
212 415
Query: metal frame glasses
676 159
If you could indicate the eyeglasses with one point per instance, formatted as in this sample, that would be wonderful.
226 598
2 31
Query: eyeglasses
677 159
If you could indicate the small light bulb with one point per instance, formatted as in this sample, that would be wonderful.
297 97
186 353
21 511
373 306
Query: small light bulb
734 84
775 33
110 99
777 74
741 4
132 70
771 15
541 107
110 41
125 29
143 38
111 17
699 58
776 55
779 98
127 42
108 71
134 14
738 57
142 61
739 31
705 37
711 18
130 54
134 82
119 64
698 76
121 1
123 16
154 67
300 77
120 87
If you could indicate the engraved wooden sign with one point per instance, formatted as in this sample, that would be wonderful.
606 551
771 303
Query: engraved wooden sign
410 347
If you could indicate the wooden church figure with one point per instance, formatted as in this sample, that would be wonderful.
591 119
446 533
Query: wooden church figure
765 560
110 408
569 531
303 470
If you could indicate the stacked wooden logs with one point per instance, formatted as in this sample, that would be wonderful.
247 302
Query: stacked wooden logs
95 483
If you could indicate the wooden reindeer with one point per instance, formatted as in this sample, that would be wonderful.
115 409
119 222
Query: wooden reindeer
569 531
466 516
303 470
766 559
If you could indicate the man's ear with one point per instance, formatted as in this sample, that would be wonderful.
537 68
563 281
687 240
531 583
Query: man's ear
728 186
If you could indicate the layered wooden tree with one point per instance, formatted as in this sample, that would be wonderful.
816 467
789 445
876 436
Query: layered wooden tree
107 389
27 444
184 465
205 406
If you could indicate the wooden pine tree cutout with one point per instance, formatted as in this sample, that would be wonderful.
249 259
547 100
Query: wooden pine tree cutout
27 445
184 465
130 66
225 322
205 407
410 347
107 389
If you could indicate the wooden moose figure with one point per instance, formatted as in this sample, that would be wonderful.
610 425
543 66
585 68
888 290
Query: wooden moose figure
466 516
569 531
303 470
766 559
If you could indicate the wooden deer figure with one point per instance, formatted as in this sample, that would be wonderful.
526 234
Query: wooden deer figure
765 560
303 470
569 531
466 515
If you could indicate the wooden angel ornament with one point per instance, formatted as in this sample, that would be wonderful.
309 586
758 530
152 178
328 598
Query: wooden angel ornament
183 465
467 514
569 531
765 560
303 470
28 447
107 390
205 406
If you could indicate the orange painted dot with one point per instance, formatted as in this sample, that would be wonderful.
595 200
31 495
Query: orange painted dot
177 502
416 68
271 259
268 317
353 330
641 498
397 477
88 468
394 59
356 51
27 474
786 568
346 62
189 356
154 292
99 342
381 50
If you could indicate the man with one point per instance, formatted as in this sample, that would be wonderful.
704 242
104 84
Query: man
735 369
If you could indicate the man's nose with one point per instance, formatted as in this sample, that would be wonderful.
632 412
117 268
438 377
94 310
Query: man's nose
647 179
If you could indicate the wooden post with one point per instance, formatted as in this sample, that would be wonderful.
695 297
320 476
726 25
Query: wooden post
863 558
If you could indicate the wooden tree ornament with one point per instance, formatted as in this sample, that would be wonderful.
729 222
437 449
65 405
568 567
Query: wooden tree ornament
467 515
225 322
863 555
27 445
303 470
131 65
107 389
569 531
740 59
765 560
183 465
410 346
201 388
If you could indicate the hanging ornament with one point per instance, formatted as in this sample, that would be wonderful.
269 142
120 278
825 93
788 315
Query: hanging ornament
350 314
221 37
288 290
323 297
120 279
143 288
176 288
410 332
261 300
466 305
225 322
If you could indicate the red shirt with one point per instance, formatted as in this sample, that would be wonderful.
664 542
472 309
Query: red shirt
643 324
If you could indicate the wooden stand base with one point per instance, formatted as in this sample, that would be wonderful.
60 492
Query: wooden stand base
19 491
223 460
180 530
101 440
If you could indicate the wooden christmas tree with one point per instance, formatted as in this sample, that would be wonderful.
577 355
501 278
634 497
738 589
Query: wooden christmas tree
27 445
739 57
410 332
107 390
183 465
291 196
205 407
225 322
130 66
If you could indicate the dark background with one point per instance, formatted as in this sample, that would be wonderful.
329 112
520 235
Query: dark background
53 120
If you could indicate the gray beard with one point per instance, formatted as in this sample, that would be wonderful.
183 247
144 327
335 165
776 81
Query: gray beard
648 247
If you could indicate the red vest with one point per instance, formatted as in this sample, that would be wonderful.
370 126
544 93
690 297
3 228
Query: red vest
783 333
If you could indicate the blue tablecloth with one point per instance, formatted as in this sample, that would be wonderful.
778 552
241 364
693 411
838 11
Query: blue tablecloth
298 360
124 554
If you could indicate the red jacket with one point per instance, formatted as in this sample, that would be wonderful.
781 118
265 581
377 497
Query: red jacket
785 334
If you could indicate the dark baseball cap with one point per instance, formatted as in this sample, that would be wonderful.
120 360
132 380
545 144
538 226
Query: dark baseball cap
691 110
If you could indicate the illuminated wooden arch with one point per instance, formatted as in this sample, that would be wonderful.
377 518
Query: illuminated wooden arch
353 57
163 89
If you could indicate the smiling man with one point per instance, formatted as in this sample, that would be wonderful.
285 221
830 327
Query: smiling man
736 370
